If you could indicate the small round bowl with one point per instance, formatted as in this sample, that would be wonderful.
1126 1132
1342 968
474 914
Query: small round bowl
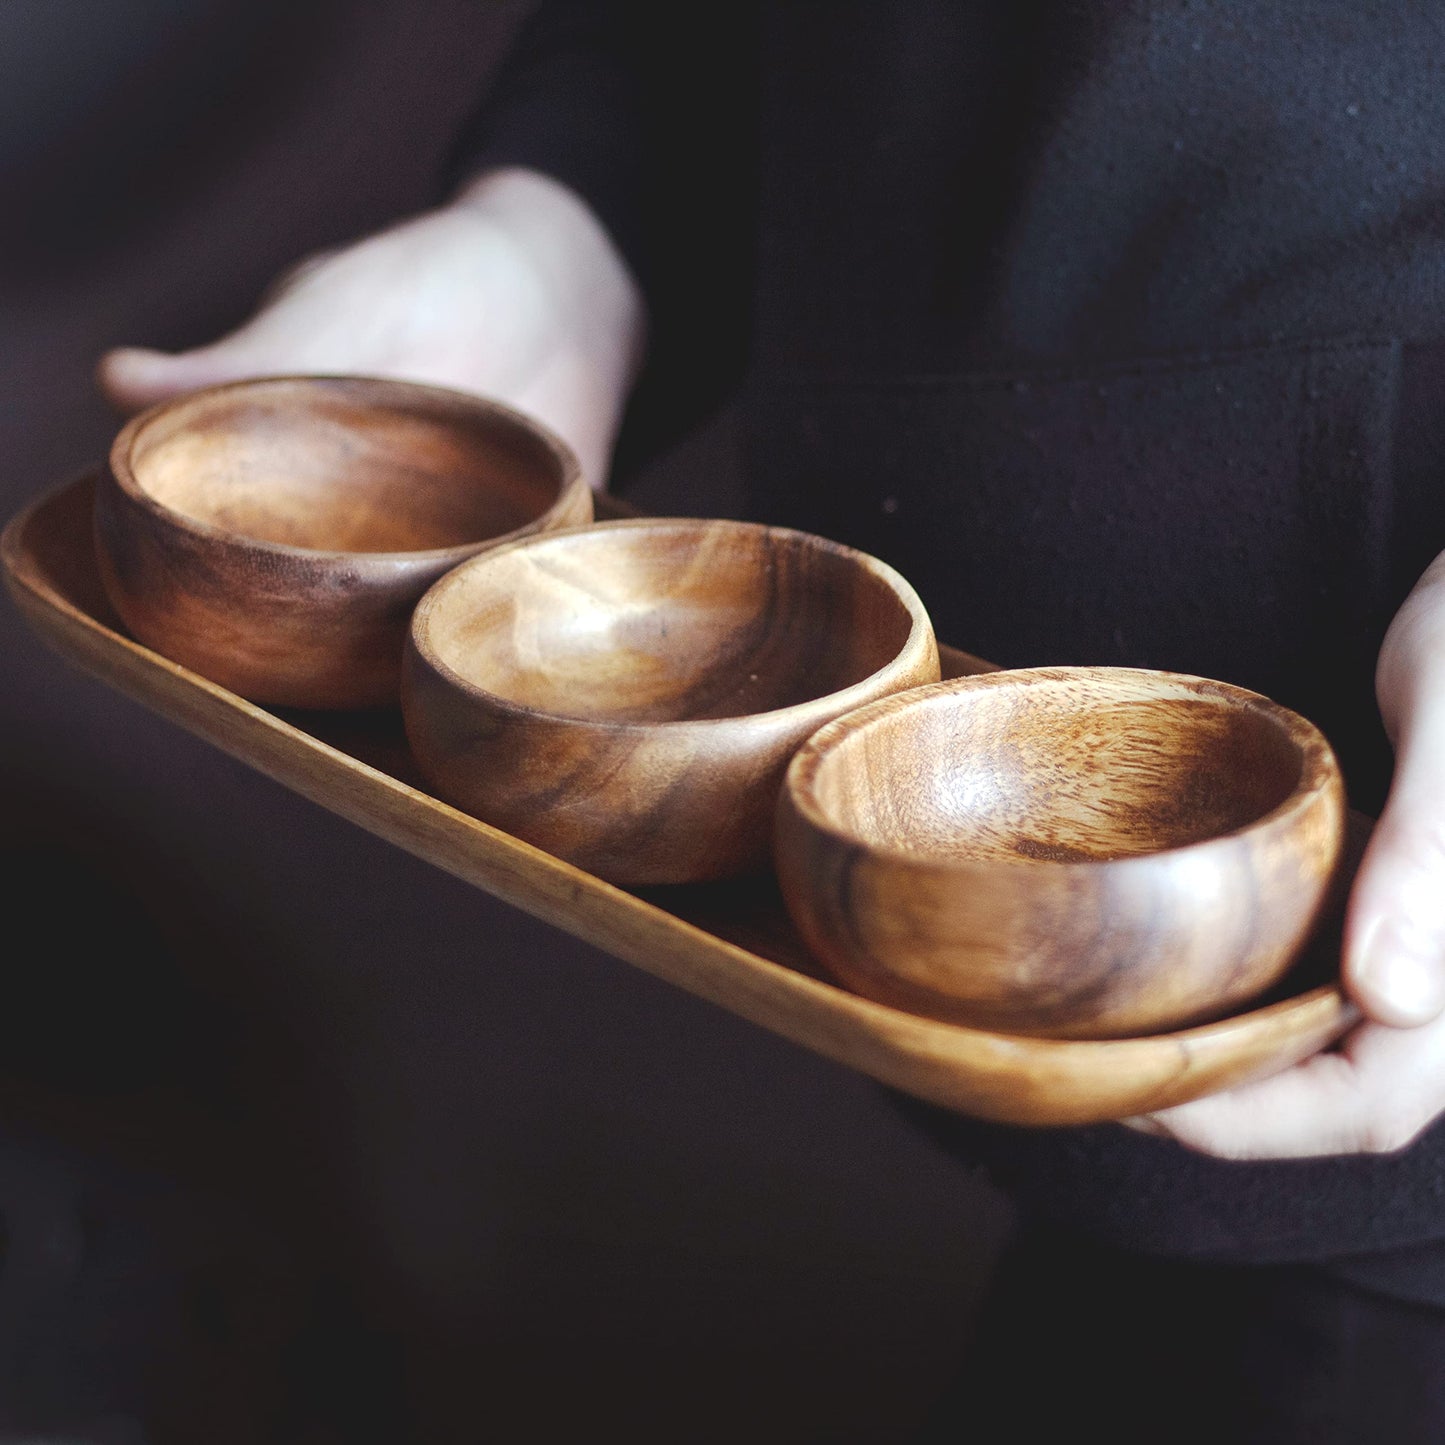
626 696
1077 853
273 535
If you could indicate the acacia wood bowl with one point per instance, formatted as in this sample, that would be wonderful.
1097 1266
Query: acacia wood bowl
626 696
274 534
1079 853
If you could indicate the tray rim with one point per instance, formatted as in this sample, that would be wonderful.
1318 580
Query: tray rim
997 1077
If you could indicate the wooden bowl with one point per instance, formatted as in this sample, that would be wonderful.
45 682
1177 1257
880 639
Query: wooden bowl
274 535
1078 853
626 696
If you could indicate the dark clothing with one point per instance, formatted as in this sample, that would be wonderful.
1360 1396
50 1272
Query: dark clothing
1116 328
1189 1354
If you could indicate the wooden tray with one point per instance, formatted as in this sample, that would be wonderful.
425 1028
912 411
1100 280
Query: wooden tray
731 944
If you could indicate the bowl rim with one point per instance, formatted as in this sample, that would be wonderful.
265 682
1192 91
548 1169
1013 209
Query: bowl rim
120 471
919 642
1320 772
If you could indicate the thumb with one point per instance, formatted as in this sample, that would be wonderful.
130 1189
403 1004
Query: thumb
1394 957
134 377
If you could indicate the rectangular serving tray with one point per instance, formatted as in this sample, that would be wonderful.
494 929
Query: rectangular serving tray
729 943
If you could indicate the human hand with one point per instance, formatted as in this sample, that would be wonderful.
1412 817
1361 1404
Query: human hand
512 289
1385 1083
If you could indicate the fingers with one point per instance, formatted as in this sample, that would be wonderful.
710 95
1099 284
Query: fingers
1373 1096
1307 1110
132 377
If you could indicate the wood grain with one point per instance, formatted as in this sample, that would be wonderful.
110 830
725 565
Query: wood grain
1084 852
728 943
627 695
274 535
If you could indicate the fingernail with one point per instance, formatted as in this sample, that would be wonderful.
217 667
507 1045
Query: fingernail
1403 972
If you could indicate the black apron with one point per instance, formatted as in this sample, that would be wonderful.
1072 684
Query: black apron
1112 327
1116 328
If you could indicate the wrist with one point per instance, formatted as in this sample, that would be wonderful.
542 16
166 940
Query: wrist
575 257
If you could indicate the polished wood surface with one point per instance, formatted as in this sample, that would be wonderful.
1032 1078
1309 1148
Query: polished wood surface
1072 852
627 695
731 944
274 535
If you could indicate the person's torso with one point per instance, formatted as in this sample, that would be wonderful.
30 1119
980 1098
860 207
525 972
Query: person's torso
1094 319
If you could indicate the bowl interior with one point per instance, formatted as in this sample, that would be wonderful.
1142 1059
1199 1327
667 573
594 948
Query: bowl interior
1067 770
347 465
642 622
